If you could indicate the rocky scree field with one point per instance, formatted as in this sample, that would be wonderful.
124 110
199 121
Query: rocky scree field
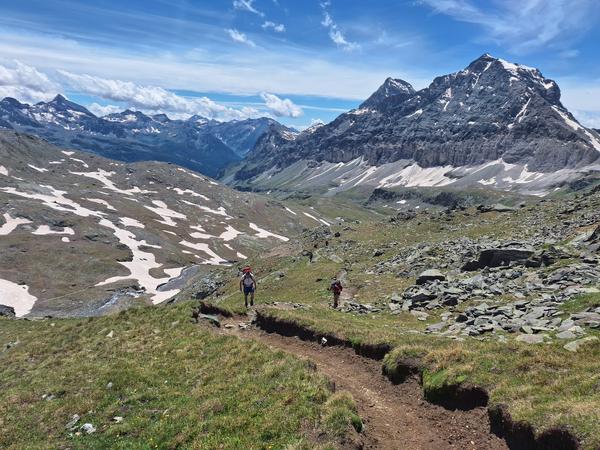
82 235
492 306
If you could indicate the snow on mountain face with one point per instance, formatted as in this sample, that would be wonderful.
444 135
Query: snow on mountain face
82 234
492 110
203 145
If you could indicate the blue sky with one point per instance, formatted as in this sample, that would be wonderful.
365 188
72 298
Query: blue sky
298 61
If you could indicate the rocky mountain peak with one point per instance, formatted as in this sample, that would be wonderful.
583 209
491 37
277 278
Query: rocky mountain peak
493 113
62 104
392 89
162 118
11 102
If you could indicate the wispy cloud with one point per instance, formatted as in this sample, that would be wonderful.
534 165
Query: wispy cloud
335 34
277 27
247 5
240 37
281 107
523 25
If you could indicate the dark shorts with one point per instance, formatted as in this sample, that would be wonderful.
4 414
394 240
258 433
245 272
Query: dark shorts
248 290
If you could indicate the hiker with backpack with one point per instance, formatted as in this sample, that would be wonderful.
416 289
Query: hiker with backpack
248 285
336 287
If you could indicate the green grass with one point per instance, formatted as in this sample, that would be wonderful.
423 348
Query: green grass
581 303
543 384
176 385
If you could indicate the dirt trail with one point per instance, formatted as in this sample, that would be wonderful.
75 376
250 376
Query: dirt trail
396 417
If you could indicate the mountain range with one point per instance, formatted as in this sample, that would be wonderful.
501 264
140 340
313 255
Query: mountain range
203 145
494 124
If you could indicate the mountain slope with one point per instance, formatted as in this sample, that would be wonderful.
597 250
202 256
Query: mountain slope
494 123
203 145
81 234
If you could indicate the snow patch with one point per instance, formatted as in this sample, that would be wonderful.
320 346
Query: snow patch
229 234
44 230
213 260
190 192
17 297
102 176
101 202
39 169
415 175
140 265
263 234
11 223
56 200
160 208
129 222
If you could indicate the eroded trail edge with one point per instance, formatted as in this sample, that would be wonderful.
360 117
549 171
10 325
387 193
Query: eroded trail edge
395 416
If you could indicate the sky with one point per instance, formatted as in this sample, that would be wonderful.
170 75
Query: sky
298 61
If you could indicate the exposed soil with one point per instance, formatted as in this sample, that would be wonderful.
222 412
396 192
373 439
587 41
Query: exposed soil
395 416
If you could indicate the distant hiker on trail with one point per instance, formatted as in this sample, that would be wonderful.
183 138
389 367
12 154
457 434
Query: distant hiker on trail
336 287
248 285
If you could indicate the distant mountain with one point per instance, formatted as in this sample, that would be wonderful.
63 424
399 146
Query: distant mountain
493 124
200 144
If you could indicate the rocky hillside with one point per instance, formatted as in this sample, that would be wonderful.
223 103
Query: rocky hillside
491 303
493 124
83 235
200 144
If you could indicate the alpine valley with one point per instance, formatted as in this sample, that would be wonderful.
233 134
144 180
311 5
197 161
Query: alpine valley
462 220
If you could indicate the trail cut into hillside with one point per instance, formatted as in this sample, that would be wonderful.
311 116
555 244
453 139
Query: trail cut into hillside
395 416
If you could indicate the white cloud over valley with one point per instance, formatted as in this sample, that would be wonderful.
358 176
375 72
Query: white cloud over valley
281 107
26 83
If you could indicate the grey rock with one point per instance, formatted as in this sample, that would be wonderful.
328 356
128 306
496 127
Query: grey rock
7 311
88 428
566 335
430 275
576 345
531 338
71 424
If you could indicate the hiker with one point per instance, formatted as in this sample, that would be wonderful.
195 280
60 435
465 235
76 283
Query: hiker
336 287
248 285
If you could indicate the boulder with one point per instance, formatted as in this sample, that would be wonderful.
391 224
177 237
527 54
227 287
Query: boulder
430 275
7 311
498 207
531 338
497 257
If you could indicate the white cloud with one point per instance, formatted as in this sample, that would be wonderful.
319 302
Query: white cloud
240 37
336 36
281 107
590 119
524 25
103 110
234 70
277 27
247 5
151 98
26 83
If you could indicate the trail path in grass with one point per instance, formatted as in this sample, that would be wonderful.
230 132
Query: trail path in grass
395 417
